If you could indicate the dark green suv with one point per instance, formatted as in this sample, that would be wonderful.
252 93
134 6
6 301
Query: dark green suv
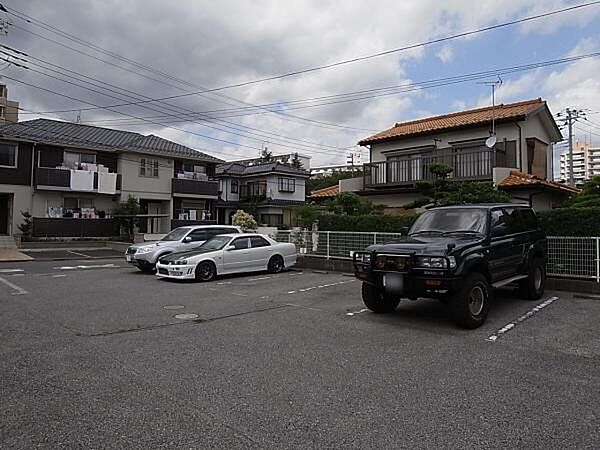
457 254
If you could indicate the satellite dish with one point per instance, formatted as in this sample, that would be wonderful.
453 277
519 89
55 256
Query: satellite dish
491 141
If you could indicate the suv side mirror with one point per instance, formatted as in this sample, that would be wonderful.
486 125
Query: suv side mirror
187 239
404 231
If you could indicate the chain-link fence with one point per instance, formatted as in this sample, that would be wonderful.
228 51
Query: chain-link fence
571 257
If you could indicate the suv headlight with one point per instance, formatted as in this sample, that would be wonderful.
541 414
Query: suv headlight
366 258
432 262
144 250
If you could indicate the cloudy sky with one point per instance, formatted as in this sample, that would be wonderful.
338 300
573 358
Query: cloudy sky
149 50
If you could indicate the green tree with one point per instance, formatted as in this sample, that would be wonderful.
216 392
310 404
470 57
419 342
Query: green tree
126 212
315 184
589 197
352 204
440 172
26 228
266 156
463 192
296 161
307 215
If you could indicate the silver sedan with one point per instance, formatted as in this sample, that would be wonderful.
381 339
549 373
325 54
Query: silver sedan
226 254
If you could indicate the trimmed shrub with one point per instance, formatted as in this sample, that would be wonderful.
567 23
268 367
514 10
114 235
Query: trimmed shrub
571 221
371 222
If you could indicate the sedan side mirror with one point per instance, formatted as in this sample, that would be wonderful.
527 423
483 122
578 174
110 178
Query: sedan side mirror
187 239
404 231
230 247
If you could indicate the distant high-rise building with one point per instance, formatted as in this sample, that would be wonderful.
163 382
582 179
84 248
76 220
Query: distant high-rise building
9 111
586 163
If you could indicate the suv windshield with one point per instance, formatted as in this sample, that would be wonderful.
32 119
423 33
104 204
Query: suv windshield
216 243
444 221
176 235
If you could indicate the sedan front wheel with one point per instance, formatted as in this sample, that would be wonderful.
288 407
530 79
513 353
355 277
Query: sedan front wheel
206 271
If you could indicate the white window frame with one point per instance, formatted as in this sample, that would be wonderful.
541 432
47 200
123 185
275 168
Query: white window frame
286 184
16 163
149 168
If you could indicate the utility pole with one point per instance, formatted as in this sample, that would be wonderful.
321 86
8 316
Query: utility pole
570 116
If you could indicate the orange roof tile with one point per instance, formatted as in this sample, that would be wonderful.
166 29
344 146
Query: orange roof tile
520 179
327 192
457 119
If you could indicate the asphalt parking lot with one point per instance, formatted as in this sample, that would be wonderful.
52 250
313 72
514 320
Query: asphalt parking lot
94 356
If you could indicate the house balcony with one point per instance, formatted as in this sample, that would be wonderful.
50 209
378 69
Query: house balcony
47 178
182 187
407 171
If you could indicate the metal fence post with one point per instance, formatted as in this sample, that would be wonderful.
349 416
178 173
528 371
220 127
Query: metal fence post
327 243
597 259
375 238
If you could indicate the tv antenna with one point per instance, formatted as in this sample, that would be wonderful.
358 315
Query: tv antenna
491 141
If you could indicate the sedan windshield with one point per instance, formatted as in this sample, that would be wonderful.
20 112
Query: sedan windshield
215 243
176 235
445 221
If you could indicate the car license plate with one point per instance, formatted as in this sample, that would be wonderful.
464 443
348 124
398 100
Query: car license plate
176 273
393 282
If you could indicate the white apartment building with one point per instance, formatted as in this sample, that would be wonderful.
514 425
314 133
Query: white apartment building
586 163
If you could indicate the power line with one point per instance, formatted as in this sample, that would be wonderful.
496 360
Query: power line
272 137
386 52
322 124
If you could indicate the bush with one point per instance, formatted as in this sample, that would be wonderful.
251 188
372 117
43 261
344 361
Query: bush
571 221
384 222
244 220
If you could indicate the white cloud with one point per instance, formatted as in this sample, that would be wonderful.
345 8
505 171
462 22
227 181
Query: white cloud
211 44
445 54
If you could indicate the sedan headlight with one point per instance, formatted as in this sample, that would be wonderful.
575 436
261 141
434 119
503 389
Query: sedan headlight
144 250
432 262
180 262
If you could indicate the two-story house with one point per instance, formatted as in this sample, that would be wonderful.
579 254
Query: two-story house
270 191
61 170
401 156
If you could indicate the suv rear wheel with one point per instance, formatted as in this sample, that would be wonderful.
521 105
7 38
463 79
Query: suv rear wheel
470 306
146 267
532 287
377 301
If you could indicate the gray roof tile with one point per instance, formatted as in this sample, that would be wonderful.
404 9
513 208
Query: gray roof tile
106 139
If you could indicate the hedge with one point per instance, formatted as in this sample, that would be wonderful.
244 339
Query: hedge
371 222
557 222
571 221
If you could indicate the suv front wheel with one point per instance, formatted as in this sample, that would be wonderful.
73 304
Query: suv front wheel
470 305
377 301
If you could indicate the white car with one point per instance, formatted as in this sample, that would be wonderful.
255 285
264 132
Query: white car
228 253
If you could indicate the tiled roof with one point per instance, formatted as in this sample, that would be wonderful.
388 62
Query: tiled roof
518 179
259 169
328 192
457 120
59 133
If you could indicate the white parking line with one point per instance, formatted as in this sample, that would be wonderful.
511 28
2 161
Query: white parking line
78 254
258 279
509 326
99 266
357 312
18 290
11 270
320 286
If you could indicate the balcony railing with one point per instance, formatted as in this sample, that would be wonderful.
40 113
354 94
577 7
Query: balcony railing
408 170
194 187
60 178
253 191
